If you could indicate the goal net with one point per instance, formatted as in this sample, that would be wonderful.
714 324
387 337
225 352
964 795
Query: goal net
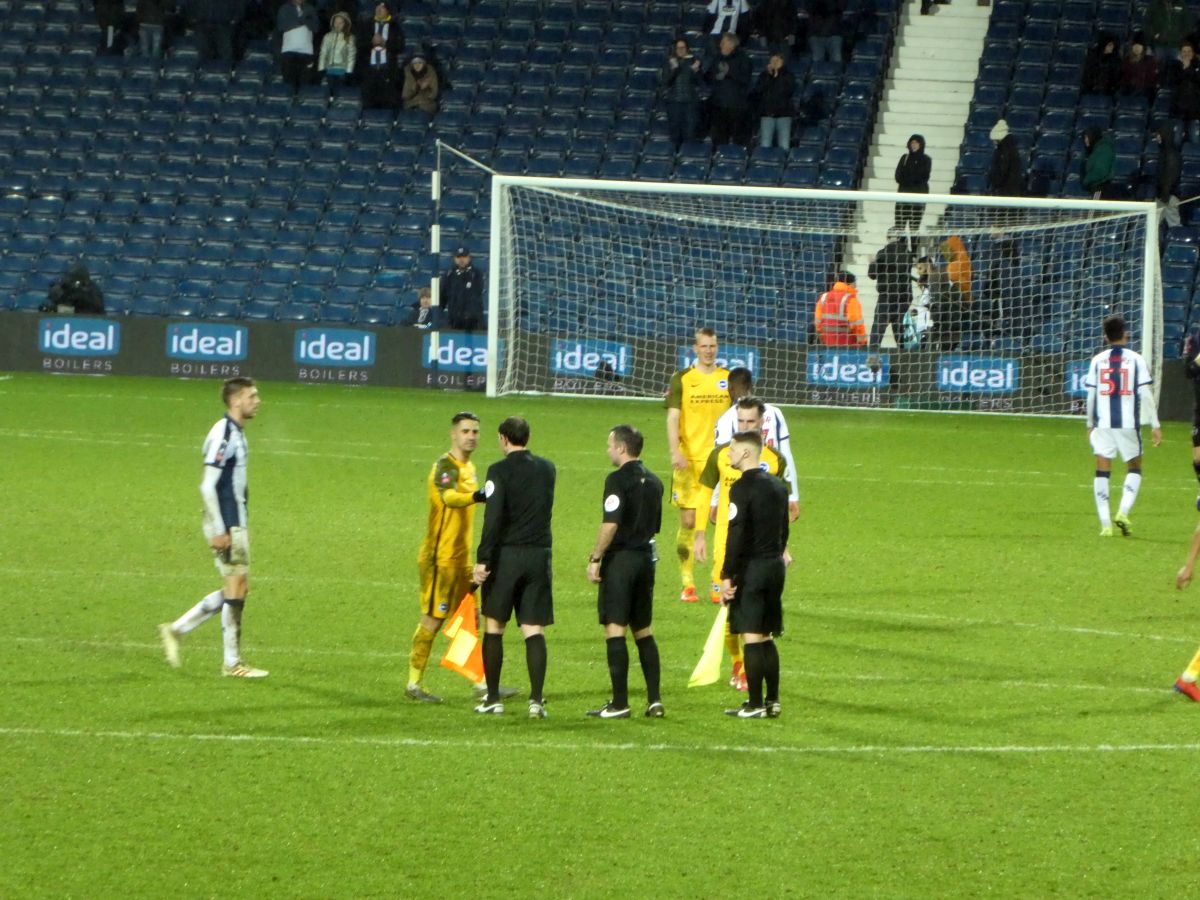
597 287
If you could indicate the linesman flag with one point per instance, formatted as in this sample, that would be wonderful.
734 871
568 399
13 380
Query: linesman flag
708 670
465 653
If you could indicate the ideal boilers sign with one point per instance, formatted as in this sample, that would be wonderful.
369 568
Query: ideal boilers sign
334 354
455 359
76 344
962 374
729 356
846 369
594 358
199 349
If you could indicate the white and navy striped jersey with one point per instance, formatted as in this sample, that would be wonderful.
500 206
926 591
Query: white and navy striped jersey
774 433
225 449
1118 385
727 13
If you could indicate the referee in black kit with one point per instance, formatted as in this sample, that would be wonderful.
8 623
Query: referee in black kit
513 561
622 563
752 579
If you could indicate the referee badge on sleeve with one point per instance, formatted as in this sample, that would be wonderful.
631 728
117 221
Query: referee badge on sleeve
732 511
489 488
611 502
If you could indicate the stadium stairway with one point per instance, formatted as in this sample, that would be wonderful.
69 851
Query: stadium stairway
928 91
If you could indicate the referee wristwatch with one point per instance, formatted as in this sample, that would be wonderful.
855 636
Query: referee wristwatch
593 559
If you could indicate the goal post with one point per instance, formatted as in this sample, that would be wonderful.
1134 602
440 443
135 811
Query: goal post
596 289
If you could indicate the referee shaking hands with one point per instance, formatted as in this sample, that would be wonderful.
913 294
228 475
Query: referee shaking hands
622 564
513 562
756 557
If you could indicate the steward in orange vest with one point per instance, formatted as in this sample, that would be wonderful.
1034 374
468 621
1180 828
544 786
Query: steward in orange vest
839 318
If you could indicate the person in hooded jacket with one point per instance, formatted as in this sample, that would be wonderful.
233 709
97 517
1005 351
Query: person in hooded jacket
1102 66
1096 171
1006 175
912 177
75 292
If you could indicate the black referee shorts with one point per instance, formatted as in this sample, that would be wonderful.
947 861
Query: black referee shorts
1195 431
520 583
626 594
757 607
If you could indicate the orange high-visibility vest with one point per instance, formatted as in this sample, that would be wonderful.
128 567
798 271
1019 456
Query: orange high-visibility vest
839 317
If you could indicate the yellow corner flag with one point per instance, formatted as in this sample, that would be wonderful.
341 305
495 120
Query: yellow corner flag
465 653
708 670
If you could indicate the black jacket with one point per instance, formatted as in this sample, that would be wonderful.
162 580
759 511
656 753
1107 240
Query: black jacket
775 93
892 271
633 502
1170 164
759 529
77 291
1006 177
394 45
912 171
731 76
462 292
1185 90
520 503
1102 71
775 20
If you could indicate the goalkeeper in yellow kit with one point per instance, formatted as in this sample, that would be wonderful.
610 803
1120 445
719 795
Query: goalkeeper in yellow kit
720 474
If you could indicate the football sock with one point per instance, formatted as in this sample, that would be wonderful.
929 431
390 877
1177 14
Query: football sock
1100 489
618 670
199 614
1133 481
535 659
771 670
422 643
1192 672
683 546
733 643
493 660
651 668
754 673
231 630
1196 468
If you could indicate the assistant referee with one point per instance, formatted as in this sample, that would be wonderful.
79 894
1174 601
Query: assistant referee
756 557
622 564
513 561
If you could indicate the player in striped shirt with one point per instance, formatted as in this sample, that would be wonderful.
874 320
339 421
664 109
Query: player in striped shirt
224 491
1119 401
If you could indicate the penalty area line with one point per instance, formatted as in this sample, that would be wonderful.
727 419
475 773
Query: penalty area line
602 746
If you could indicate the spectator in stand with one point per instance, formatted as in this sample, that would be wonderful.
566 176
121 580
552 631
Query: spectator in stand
462 293
776 88
420 89
775 23
1006 175
891 269
726 17
75 292
381 44
422 313
912 177
838 318
109 15
1168 24
1139 72
1170 165
151 16
1096 172
1183 76
214 22
295 26
681 89
825 30
941 297
1102 66
730 74
338 52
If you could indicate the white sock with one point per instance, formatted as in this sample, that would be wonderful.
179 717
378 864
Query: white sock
1133 481
199 614
1100 489
231 630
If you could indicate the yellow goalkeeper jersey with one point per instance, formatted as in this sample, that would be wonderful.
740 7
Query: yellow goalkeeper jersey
451 487
718 469
700 400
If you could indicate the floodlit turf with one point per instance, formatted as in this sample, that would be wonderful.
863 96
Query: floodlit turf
975 686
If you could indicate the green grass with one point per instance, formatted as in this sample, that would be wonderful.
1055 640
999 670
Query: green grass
975 685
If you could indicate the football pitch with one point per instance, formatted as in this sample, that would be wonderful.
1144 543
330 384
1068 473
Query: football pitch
976 687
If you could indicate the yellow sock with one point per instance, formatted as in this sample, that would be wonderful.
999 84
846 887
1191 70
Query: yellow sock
422 643
683 546
1192 672
733 643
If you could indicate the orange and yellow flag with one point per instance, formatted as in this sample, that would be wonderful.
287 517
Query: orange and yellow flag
465 653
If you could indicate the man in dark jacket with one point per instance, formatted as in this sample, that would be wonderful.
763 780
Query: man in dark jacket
776 87
730 74
1006 177
1096 171
381 44
1183 75
1102 66
462 293
214 22
775 22
295 31
680 82
912 177
75 292
891 269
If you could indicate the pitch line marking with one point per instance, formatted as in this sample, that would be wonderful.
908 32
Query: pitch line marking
617 746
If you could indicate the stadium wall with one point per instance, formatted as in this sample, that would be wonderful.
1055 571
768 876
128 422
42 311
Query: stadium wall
407 357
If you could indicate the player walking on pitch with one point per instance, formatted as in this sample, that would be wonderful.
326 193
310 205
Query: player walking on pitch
696 397
1119 400
622 564
225 528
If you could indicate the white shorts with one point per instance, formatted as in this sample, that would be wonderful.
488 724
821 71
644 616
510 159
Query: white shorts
235 560
1108 442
